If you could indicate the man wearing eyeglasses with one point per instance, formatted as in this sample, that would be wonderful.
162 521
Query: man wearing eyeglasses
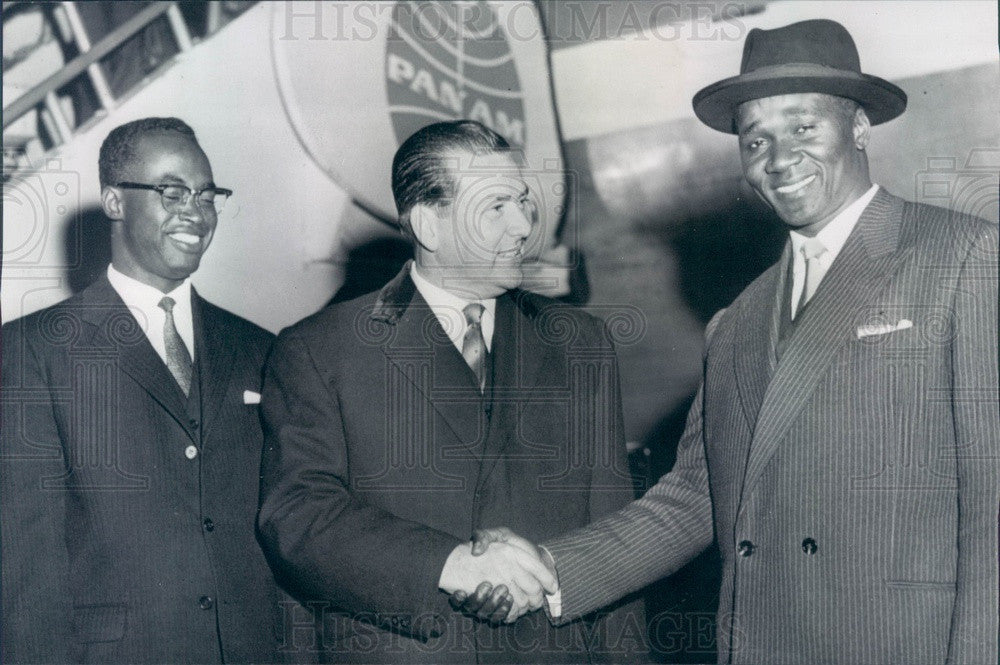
131 440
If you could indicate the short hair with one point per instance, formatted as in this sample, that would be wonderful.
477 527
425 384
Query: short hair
420 172
118 149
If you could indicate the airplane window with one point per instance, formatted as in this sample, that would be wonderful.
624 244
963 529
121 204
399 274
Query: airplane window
40 38
35 39
139 55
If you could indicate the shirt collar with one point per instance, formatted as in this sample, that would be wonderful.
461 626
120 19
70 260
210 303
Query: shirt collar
145 297
835 233
447 307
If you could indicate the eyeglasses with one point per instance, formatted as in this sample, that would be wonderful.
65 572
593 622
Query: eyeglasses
175 197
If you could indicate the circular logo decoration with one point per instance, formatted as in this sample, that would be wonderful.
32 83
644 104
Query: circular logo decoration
448 60
356 79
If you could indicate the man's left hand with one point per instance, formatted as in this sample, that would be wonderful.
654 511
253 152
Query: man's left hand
487 603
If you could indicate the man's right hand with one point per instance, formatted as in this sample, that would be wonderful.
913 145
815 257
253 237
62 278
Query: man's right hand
494 606
482 538
527 579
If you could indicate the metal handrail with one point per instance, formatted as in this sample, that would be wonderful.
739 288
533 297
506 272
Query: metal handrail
82 39
79 64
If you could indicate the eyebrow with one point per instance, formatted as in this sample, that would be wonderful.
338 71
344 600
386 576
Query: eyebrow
794 112
507 197
797 111
180 181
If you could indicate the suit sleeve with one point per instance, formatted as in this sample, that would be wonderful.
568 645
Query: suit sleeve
624 623
611 484
976 387
322 540
36 611
647 539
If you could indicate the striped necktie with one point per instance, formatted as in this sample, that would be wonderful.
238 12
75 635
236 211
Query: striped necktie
473 344
178 358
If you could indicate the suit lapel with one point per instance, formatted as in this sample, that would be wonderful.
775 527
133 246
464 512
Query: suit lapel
215 357
519 357
115 325
422 353
860 272
756 337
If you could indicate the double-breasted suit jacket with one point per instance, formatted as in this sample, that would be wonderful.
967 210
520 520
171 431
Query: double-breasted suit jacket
853 483
128 510
382 455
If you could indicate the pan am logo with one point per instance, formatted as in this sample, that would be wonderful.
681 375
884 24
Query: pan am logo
448 60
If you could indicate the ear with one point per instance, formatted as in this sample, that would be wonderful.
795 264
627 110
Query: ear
424 221
111 201
861 127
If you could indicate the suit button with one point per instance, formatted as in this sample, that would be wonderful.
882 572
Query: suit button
745 548
206 602
208 524
191 452
809 546
193 423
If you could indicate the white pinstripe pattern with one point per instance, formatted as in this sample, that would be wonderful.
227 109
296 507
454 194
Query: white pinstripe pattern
885 451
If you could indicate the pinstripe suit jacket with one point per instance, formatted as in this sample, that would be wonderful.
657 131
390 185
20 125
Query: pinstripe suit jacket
118 544
852 486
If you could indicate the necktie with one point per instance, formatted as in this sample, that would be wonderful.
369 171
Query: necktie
812 251
178 358
473 344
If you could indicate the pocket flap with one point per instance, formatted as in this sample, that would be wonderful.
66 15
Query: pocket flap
99 623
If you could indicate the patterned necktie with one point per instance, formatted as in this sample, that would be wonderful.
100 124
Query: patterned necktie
473 344
812 251
178 358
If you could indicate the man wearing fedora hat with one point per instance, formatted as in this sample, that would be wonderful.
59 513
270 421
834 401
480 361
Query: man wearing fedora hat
844 447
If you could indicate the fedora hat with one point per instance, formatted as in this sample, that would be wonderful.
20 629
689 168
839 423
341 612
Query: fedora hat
810 56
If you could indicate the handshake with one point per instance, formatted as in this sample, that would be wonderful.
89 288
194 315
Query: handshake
499 576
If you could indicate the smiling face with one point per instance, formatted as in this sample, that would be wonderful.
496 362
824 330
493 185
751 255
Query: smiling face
483 229
148 243
804 155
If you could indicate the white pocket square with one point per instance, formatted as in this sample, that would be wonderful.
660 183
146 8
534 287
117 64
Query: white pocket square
883 328
250 397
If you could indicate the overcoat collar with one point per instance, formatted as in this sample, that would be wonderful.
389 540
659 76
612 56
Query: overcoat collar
449 384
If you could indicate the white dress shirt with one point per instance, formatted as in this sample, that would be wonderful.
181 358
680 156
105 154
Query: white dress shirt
143 301
447 307
833 236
